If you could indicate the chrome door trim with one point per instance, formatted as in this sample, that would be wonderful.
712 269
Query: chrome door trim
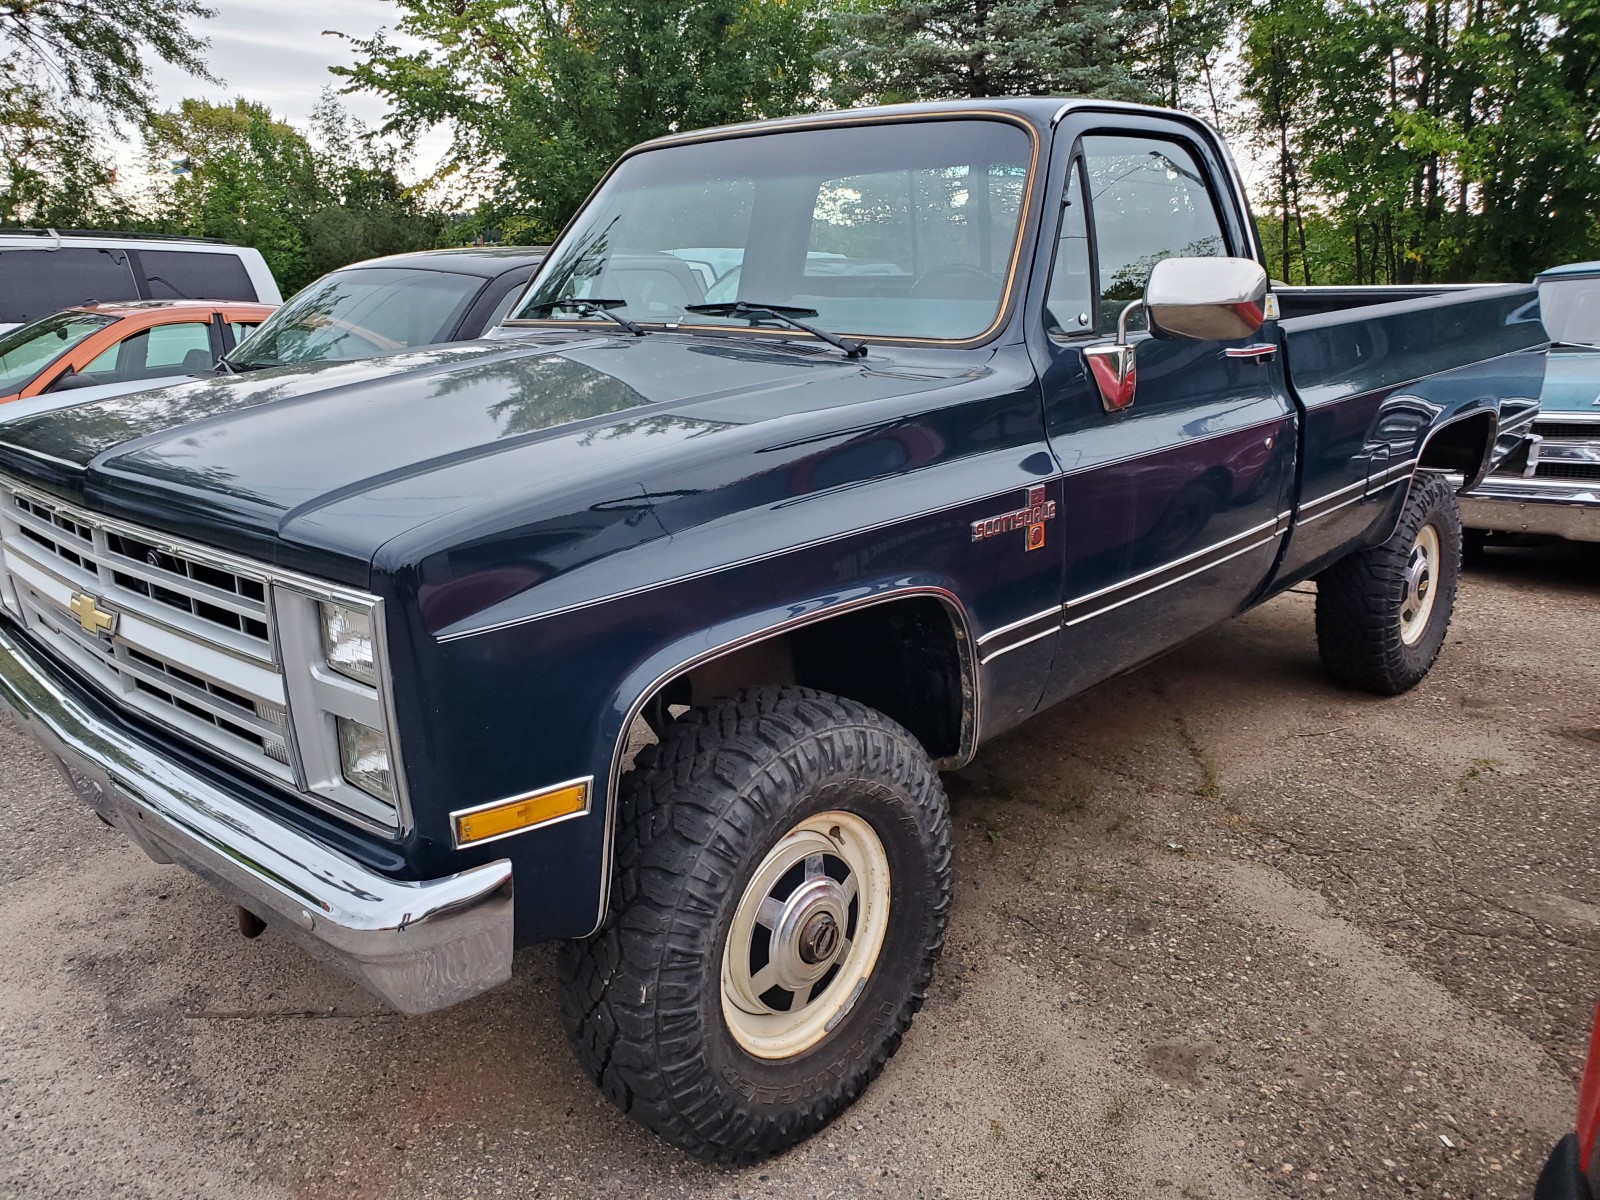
1266 541
1176 562
1038 616
994 654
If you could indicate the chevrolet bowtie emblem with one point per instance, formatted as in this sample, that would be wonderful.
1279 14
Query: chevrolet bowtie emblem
91 616
1031 518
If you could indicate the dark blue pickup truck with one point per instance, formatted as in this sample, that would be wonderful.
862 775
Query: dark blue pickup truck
820 452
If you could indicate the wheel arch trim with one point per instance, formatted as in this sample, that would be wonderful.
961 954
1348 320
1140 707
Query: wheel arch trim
825 609
1468 413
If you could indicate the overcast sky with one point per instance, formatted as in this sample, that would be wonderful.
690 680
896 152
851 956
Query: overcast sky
274 52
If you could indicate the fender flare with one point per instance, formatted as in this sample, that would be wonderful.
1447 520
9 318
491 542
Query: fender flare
686 653
1471 412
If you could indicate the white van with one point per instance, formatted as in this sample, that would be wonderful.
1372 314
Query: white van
45 270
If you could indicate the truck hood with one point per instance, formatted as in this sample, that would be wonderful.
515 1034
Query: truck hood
1571 381
315 468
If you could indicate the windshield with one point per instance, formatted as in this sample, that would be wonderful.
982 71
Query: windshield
904 229
1570 309
27 351
359 313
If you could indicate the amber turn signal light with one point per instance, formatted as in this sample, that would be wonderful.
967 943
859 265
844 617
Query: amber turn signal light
513 816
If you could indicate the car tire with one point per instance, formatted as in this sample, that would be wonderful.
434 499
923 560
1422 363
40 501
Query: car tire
1382 612
780 895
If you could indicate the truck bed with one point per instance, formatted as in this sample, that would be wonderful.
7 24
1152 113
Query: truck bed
1346 341
1312 301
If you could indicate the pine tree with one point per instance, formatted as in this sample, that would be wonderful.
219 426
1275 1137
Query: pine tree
940 49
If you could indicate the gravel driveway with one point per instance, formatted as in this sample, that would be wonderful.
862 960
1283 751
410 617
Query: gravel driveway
1222 929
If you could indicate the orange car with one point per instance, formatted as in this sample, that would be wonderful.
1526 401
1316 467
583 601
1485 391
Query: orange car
139 341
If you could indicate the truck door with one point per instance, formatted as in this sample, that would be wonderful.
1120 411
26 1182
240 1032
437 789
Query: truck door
1174 508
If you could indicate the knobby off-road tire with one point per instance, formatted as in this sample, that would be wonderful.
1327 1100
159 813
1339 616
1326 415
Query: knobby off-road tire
784 837
1382 613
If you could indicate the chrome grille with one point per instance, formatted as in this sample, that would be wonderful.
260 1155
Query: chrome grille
1576 430
1565 449
1569 470
190 646
1559 450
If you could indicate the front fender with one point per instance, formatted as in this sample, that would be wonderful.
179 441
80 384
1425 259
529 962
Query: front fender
681 654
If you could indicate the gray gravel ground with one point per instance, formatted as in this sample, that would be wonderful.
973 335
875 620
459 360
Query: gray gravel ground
1223 929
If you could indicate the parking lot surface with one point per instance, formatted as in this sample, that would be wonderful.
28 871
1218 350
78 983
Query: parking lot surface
1222 929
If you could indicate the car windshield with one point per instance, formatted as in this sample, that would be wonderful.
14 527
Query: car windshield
1570 309
358 313
902 229
27 351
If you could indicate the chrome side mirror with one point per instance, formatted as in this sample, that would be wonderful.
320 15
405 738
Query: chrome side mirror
1206 299
1197 299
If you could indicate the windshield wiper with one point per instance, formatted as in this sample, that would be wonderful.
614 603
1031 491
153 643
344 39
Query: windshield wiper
591 308
1564 344
783 313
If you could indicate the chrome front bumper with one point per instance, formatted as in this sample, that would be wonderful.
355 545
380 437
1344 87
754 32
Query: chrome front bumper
418 946
1545 507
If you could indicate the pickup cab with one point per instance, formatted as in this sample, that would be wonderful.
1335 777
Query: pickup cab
827 449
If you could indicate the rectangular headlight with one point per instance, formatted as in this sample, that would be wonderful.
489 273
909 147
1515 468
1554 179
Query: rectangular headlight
364 759
330 642
347 641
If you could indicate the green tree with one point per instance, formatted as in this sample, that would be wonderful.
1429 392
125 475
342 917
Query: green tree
1441 139
70 69
1148 50
541 98
55 171
251 180
310 200
95 51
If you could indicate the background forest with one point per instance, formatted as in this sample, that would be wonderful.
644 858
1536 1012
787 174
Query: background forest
1394 140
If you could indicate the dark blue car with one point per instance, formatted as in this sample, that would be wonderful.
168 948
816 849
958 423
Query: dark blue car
827 450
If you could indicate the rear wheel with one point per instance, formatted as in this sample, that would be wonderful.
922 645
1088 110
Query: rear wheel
781 891
1382 612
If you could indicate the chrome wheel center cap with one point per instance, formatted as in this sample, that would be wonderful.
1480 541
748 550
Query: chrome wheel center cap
819 940
808 934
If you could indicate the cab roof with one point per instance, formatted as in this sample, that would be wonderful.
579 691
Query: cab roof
486 262
1041 112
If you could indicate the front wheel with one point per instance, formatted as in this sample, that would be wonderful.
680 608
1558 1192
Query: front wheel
1382 612
781 892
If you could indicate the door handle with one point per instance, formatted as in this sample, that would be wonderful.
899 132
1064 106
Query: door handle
1261 351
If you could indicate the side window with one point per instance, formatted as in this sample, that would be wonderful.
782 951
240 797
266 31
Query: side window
36 283
1150 202
173 349
164 350
1069 304
242 329
196 275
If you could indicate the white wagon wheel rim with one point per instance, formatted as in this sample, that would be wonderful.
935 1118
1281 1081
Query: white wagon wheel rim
805 936
1421 585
